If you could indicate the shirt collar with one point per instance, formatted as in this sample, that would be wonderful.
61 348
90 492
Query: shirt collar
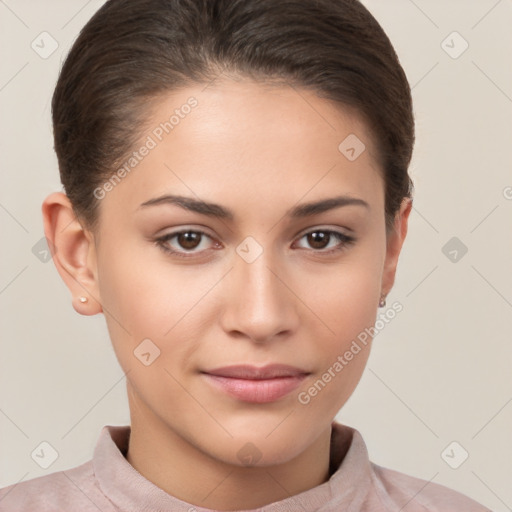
129 490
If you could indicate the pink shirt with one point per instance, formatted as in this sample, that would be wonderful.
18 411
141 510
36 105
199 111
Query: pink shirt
108 483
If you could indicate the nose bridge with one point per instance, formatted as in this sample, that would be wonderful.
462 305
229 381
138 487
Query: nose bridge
258 280
260 305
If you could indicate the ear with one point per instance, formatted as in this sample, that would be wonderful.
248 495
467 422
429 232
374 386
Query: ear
74 252
394 244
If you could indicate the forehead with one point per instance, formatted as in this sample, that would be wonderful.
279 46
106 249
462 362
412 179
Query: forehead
266 118
251 140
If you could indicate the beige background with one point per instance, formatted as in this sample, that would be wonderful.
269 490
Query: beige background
439 372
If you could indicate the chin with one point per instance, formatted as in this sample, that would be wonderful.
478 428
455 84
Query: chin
258 452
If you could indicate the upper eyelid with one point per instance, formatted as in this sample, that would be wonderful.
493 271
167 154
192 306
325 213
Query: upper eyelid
300 233
324 228
172 234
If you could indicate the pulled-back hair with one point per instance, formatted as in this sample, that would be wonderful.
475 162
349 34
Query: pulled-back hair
132 52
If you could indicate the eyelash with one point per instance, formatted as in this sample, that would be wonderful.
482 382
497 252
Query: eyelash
345 239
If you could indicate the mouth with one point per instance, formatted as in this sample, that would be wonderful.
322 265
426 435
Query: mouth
256 384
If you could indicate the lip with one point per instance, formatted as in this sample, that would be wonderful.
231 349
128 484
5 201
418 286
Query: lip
256 384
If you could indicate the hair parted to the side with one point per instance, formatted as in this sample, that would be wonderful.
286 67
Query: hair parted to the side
132 52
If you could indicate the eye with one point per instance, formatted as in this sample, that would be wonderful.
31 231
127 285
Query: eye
320 238
188 240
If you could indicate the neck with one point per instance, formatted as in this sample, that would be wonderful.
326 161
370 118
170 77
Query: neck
192 475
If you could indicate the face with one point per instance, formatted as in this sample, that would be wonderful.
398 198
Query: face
256 280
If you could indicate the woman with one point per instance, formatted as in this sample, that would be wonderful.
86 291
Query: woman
237 198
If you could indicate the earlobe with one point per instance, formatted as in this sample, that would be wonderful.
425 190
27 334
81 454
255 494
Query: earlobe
74 254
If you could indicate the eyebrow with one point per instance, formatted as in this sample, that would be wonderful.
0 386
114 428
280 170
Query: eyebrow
220 212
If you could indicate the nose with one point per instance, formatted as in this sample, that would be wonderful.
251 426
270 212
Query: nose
259 303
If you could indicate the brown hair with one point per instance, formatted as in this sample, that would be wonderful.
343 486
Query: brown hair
131 52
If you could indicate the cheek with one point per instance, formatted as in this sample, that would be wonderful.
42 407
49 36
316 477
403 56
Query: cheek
132 304
342 360
345 299
135 288
146 298
142 302
346 302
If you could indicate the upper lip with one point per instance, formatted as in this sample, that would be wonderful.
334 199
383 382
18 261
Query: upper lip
244 371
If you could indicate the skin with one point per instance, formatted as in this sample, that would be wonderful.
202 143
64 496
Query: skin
259 151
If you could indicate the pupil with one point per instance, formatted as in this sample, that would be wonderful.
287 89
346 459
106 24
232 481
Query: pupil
188 238
319 236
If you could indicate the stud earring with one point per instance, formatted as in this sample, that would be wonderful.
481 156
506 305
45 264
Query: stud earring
382 301
83 300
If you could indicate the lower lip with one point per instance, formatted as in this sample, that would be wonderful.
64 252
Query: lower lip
257 391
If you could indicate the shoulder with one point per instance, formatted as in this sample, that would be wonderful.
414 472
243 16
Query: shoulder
417 495
72 489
